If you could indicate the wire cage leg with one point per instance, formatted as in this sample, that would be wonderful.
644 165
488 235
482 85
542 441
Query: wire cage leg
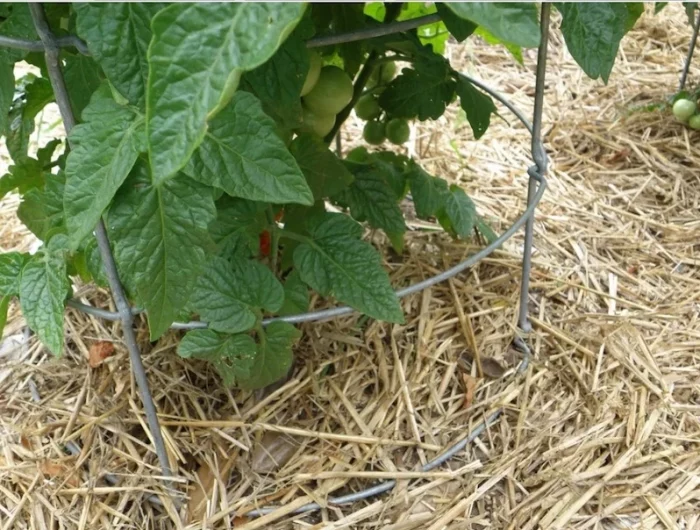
691 51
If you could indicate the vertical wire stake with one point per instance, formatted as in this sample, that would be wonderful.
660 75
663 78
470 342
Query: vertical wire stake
691 51
538 170
51 50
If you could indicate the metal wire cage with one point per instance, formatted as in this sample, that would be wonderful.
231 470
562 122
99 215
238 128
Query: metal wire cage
535 190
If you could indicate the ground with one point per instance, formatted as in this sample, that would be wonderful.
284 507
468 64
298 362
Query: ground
601 431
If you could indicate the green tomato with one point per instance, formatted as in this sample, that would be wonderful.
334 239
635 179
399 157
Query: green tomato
382 74
373 132
319 124
332 92
694 122
315 64
367 108
684 109
398 131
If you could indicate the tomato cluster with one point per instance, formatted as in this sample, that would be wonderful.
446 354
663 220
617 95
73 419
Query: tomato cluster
380 126
686 111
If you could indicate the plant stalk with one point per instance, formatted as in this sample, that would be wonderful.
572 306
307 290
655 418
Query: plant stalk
51 51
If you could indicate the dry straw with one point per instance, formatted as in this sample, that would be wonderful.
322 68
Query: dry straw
603 431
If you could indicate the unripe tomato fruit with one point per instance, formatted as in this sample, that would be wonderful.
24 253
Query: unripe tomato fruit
398 131
373 132
367 108
315 64
684 109
332 92
319 124
694 122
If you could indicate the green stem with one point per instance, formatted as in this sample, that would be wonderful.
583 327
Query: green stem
274 238
293 236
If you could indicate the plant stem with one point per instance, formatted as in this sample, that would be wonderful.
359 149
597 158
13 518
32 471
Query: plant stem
293 235
274 239
371 33
51 50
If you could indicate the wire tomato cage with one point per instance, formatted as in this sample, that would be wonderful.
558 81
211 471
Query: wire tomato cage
537 184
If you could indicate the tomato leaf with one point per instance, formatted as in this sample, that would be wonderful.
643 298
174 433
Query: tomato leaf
237 227
160 241
371 199
634 11
334 261
593 32
242 154
511 22
274 355
4 306
83 77
18 23
296 295
461 212
7 93
228 293
117 36
196 58
457 26
43 289
25 175
278 82
104 149
41 210
324 172
658 6
11 264
231 355
429 193
416 95
515 50
477 105
36 95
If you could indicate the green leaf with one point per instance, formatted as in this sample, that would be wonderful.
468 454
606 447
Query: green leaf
412 95
83 77
117 36
296 296
515 50
376 10
429 193
458 27
231 355
485 229
45 154
634 11
17 23
27 174
334 18
104 149
41 210
7 93
43 289
658 6
237 227
477 105
11 264
435 34
371 199
690 8
228 293
242 154
511 22
334 261
196 58
160 240
94 263
36 95
593 32
274 355
325 173
461 212
278 82
4 306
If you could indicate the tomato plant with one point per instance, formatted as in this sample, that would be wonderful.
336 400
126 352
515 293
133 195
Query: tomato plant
199 122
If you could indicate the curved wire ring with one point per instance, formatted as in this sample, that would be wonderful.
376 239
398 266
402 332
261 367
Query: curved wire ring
535 172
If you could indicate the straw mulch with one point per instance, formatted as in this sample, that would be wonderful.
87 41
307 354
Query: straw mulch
602 431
